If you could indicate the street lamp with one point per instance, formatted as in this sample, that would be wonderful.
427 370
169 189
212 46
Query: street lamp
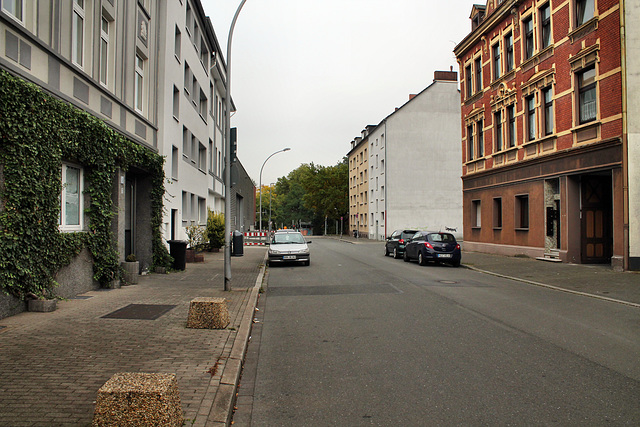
270 193
279 151
227 160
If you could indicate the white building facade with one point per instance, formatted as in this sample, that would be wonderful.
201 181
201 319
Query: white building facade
192 87
414 163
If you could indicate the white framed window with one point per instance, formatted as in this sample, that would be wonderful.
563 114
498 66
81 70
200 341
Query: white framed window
104 50
14 8
139 84
584 10
77 33
177 47
476 213
71 200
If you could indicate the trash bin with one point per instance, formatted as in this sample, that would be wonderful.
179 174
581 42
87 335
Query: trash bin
178 251
238 243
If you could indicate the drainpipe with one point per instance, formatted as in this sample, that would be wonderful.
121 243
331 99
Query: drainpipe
625 155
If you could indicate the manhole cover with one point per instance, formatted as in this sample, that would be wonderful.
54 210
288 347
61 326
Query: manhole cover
448 282
140 312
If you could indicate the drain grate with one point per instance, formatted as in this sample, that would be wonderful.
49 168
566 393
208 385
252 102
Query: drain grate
447 282
82 297
140 312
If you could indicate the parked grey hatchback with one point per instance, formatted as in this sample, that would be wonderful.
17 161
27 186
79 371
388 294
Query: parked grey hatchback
289 246
396 242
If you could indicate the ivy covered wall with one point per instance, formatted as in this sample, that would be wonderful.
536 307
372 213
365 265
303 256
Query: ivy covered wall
37 133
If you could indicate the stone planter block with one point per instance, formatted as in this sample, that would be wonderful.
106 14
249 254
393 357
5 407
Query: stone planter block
139 399
42 305
208 313
131 272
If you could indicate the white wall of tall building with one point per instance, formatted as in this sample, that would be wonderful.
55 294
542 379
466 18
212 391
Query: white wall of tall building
632 15
193 184
419 185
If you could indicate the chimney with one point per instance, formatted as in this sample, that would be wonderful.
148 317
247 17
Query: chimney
447 76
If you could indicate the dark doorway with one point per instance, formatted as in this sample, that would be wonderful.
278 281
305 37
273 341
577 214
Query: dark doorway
129 217
596 227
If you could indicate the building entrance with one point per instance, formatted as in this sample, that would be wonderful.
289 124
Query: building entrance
596 221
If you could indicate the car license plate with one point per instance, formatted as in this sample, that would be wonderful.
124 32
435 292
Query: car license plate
444 255
289 257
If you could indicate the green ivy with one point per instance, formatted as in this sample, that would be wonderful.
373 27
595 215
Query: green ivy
38 132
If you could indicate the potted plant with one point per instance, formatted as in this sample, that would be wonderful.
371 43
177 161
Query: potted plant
131 267
41 303
195 239
215 230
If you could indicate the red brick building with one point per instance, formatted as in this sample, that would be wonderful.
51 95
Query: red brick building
542 130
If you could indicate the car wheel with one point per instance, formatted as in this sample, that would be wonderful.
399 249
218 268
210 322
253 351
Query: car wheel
386 250
405 257
307 263
421 259
395 253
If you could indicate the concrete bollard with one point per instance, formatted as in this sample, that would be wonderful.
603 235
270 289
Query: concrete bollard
208 313
139 399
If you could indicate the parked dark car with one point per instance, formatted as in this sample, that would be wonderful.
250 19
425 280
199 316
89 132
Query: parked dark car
438 247
396 242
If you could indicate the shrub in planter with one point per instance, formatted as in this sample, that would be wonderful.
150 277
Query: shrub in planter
215 230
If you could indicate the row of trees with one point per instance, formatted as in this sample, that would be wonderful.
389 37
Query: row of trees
309 194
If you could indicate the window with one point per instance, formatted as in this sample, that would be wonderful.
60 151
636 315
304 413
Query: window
527 26
187 79
470 147
186 142
77 33
522 211
497 120
511 123
467 72
531 117
194 149
189 23
545 24
202 211
587 107
584 11
480 138
202 157
177 47
204 55
548 111
497 67
497 212
71 203
203 105
508 51
139 83
104 50
176 103
476 214
185 207
174 162
14 8
478 73
211 157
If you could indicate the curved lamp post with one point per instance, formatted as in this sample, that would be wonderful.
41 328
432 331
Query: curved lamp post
279 151
227 160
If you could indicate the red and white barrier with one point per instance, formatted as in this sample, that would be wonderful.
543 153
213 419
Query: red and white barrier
255 238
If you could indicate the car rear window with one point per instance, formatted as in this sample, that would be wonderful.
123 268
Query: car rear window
442 237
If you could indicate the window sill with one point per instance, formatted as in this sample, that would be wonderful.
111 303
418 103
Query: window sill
176 118
473 98
586 132
521 229
584 29
497 228
536 59
475 227
505 77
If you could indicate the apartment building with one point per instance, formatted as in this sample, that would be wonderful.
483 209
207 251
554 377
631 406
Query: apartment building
409 165
414 163
191 103
359 185
544 139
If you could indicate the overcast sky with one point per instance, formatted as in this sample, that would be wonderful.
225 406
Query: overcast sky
311 74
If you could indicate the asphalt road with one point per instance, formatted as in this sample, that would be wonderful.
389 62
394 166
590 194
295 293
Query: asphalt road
359 339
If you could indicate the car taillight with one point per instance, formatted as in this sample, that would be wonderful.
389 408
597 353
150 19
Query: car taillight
457 246
401 241
427 244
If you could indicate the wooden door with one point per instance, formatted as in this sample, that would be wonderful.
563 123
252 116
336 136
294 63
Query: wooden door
596 220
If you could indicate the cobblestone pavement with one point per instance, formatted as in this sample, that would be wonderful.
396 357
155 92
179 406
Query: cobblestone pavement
52 364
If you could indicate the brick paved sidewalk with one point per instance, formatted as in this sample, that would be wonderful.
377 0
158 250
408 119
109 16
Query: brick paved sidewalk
52 364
